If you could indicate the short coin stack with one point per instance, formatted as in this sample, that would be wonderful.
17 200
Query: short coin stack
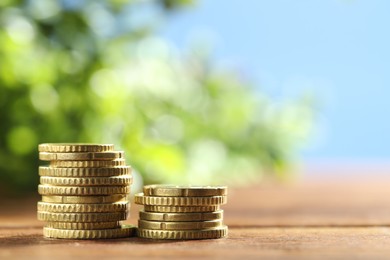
84 191
181 212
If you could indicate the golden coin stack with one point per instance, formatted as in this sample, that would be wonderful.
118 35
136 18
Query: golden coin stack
84 191
181 212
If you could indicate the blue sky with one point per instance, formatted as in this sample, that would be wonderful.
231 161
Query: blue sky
338 49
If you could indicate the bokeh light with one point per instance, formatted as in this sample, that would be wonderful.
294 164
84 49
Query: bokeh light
97 71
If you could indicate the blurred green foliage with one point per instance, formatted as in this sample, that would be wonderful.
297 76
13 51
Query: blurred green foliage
95 71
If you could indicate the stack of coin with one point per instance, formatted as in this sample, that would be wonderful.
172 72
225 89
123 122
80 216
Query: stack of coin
181 212
84 191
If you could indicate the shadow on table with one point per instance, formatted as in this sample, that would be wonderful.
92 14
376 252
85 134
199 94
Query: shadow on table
37 239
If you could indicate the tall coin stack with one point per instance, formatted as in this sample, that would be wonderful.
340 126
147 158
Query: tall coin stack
181 212
84 191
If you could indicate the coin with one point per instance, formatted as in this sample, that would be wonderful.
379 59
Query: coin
85 199
112 155
87 190
179 201
82 225
124 231
74 147
82 208
84 172
81 164
175 209
219 232
82 217
156 216
186 191
123 180
192 225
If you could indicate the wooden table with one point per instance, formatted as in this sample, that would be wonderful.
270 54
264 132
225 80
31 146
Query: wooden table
341 218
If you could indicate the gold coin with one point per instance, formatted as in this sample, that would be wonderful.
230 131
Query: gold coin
212 233
184 191
86 199
82 217
87 190
179 201
124 180
174 209
83 225
74 147
83 164
82 208
124 231
44 156
146 224
84 172
202 216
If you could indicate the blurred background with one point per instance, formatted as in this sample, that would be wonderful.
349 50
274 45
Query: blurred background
194 91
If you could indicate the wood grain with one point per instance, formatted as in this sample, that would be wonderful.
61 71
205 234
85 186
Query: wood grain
317 218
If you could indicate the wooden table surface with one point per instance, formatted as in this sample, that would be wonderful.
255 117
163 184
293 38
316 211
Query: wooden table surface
314 218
